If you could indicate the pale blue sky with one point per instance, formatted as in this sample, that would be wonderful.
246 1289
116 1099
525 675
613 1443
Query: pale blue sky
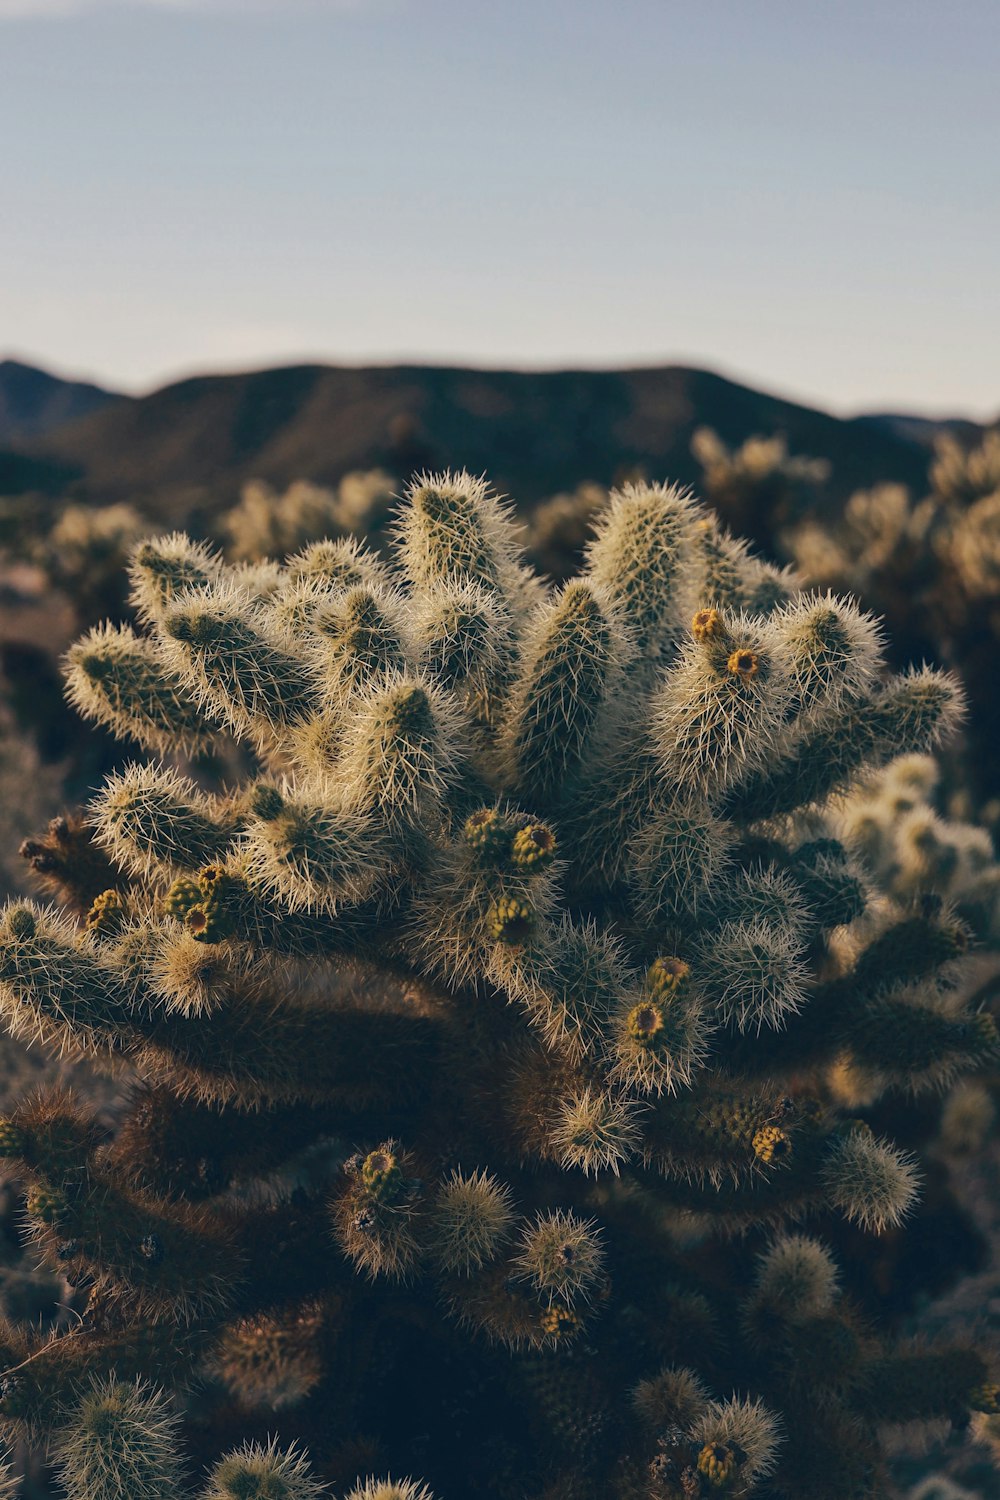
804 194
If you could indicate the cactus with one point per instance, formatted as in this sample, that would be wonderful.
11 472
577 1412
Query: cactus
473 1028
931 565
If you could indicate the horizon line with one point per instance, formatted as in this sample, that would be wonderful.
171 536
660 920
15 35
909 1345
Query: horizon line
842 411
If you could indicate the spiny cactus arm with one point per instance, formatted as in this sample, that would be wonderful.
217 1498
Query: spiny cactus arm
390 1489
166 567
261 1050
660 1037
138 1248
912 712
152 821
340 564
723 566
740 1442
56 986
217 642
917 1045
181 1149
719 1133
719 714
568 978
678 856
403 753
572 662
117 679
120 1439
453 529
358 639
42 1376
309 851
464 641
832 650
642 559
493 891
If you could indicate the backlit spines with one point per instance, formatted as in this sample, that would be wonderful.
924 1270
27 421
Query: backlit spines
870 1181
217 640
311 850
453 529
718 715
359 639
641 558
122 1439
571 665
117 678
152 820
915 710
257 1471
167 567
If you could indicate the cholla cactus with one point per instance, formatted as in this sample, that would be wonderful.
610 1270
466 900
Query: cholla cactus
477 1023
913 850
84 554
931 566
759 484
266 524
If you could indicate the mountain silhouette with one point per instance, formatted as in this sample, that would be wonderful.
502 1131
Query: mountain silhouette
190 445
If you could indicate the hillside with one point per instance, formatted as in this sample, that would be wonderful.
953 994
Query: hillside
34 402
193 443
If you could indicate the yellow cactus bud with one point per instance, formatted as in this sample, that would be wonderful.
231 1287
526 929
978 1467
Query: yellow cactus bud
645 1023
718 1464
665 976
771 1144
106 913
511 920
533 847
744 664
707 625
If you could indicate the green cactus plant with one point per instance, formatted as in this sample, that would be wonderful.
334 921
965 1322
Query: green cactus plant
480 1030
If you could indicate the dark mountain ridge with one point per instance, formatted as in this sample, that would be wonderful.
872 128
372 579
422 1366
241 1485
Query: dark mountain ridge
196 441
34 402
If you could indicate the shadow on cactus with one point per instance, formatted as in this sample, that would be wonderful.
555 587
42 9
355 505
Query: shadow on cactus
480 1038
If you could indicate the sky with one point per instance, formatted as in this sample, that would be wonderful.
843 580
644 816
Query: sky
803 195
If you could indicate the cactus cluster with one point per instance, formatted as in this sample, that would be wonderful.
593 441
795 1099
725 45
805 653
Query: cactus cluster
931 565
480 1032
266 523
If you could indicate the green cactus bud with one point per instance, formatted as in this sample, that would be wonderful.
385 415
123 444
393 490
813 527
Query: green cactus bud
511 920
533 847
107 914
183 895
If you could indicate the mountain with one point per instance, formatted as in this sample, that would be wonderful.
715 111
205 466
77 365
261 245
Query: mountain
191 444
926 430
33 402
